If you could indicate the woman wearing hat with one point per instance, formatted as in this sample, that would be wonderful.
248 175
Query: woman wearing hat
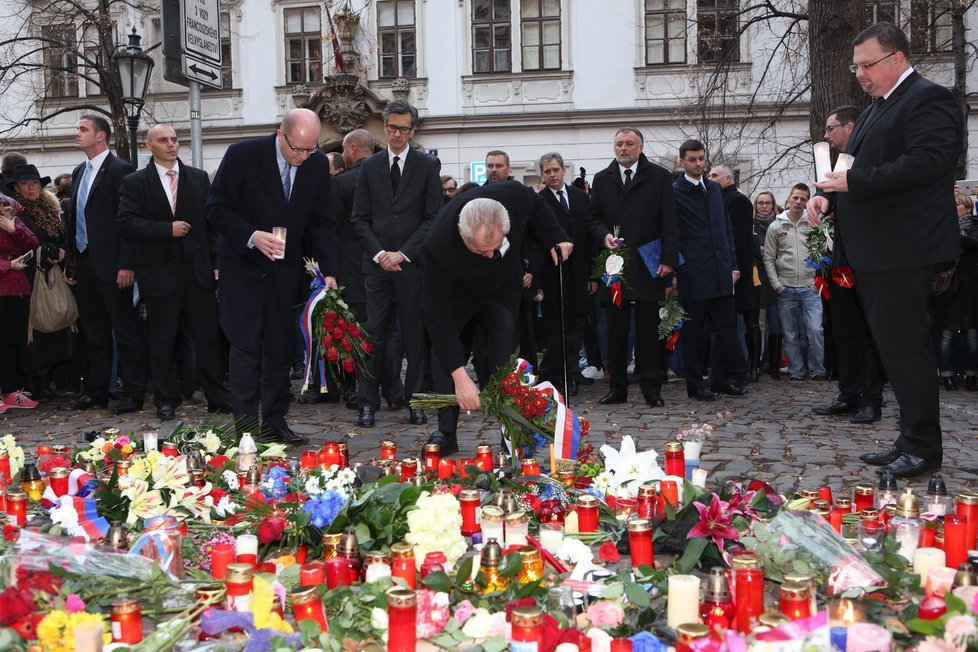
41 213
15 303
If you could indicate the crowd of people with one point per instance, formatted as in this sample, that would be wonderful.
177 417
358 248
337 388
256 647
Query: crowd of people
191 284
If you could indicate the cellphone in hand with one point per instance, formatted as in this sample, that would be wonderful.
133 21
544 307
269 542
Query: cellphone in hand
28 257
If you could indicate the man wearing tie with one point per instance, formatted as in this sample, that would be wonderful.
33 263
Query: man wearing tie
281 180
896 219
161 214
101 267
397 195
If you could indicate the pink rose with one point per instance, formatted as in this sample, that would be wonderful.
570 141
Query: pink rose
500 627
74 604
433 613
463 611
605 614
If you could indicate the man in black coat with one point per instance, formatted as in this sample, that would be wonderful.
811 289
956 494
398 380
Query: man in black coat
398 194
101 266
706 281
896 219
472 278
570 206
280 180
634 195
161 215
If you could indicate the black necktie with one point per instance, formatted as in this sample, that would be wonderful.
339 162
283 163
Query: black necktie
628 177
563 201
395 174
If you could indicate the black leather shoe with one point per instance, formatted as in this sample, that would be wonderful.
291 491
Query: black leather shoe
219 408
418 417
351 404
288 436
166 412
366 418
655 400
701 394
909 465
886 457
949 383
84 402
867 414
613 397
127 405
572 388
310 396
447 442
838 406
729 389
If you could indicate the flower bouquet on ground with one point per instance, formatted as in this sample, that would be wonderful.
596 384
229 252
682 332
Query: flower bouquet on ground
331 331
671 319
529 414
609 266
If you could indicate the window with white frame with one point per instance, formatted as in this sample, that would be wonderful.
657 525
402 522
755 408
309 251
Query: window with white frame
665 32
303 45
492 38
930 26
396 34
717 31
60 60
540 34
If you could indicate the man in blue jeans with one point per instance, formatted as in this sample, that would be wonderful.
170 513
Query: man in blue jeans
799 305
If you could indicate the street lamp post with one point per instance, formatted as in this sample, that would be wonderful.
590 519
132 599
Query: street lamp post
134 67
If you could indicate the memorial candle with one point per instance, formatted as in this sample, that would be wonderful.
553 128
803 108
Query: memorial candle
5 466
337 572
388 450
683 600
925 559
587 513
307 605
312 574
823 160
864 497
551 536
403 564
307 460
967 505
669 490
239 586
329 455
409 468
150 441
748 598
527 629
939 581
246 549
955 539
640 542
446 468
432 456
795 600
530 466
127 621
58 480
468 500
222 554
483 457
675 460
16 507
402 616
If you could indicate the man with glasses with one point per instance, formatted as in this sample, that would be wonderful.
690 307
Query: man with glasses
898 227
281 180
397 195
857 360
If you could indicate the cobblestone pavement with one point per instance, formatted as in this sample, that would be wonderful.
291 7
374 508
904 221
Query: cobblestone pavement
770 434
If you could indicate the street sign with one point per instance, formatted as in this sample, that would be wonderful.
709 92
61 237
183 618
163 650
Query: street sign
202 72
200 29
477 172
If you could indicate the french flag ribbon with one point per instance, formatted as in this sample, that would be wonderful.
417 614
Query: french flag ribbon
80 484
90 524
318 286
567 428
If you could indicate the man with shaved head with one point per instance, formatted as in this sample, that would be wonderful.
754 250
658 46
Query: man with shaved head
280 180
161 215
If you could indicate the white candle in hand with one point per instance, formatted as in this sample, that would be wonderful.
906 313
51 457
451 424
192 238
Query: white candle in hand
844 162
823 160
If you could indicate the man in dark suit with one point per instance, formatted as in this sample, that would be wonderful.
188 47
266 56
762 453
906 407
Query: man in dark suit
161 215
858 362
472 281
280 180
101 267
633 195
895 214
398 194
570 206
707 279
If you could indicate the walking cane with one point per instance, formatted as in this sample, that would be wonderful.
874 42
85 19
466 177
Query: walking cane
563 332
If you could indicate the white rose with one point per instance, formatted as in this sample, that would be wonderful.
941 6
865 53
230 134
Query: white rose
211 442
575 551
64 513
231 478
479 624
663 313
378 619
613 264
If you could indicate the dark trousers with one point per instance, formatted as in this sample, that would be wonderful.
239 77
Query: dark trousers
385 292
649 351
498 326
555 360
729 364
260 362
105 310
195 309
857 360
14 314
896 305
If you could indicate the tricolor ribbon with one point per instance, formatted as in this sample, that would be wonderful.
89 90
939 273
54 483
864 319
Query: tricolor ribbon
90 524
616 293
80 483
319 291
567 427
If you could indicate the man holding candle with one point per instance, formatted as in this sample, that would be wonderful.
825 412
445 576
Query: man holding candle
276 180
898 226
858 364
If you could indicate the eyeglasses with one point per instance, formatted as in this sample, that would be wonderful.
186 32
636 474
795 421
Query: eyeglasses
394 129
830 128
856 67
299 150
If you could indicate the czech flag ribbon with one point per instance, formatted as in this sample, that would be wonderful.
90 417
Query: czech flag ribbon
567 427
80 484
318 286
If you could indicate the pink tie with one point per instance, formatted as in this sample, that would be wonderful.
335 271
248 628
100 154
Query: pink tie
173 189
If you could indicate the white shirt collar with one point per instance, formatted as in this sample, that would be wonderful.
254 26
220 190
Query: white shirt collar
98 160
695 182
562 189
633 167
160 170
906 73
400 160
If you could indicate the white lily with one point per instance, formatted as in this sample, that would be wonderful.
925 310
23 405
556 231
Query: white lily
630 468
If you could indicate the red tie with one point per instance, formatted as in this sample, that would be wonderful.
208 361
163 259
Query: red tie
173 189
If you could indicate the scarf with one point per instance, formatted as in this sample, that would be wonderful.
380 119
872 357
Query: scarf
46 213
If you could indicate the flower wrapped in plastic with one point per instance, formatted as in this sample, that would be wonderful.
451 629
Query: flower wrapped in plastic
38 551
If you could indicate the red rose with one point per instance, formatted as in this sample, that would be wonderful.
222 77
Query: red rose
10 532
15 605
338 333
346 345
348 365
332 354
327 341
608 552
368 348
353 330
271 529
341 323
330 317
218 461
217 494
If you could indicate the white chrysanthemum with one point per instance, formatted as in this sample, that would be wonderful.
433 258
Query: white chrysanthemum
231 479
435 525
575 551
312 486
613 264
347 476
211 442
225 506
602 481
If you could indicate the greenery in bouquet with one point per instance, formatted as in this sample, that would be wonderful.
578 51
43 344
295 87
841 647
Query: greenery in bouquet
817 244
341 342
610 266
671 319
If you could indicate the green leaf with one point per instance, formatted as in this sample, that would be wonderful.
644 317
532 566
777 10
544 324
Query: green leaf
691 556
438 581
613 590
495 644
895 560
512 564
927 627
309 630
464 571
409 496
637 595
363 532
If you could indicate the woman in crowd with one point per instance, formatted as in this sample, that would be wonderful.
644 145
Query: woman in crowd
955 312
765 210
42 215
16 240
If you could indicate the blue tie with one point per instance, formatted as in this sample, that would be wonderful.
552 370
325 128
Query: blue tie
81 225
287 180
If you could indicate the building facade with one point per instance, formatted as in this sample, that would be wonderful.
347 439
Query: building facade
524 76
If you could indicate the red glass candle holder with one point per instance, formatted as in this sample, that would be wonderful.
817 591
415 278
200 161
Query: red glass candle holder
640 542
127 621
621 644
864 497
58 481
464 464
388 450
468 500
646 500
403 564
527 632
307 460
795 600
446 468
670 492
17 507
955 540
483 457
409 468
530 466
337 572
825 493
966 504
434 562
307 605
748 598
402 615
587 513
329 455
675 459
312 574
432 455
